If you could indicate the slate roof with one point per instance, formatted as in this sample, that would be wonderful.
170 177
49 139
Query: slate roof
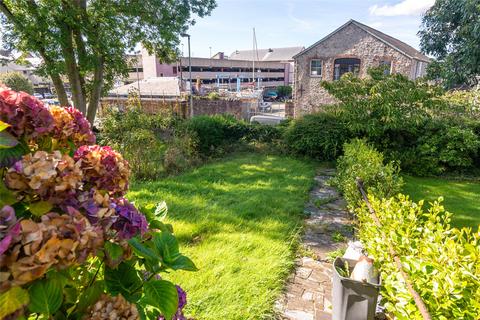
400 46
270 54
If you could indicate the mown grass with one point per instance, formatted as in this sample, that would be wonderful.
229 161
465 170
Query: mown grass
238 220
462 198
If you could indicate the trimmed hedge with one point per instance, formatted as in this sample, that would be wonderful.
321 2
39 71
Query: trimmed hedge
443 263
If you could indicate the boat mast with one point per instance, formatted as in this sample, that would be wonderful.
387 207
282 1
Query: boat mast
253 60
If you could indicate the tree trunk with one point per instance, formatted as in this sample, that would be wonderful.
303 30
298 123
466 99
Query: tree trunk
60 89
72 70
96 90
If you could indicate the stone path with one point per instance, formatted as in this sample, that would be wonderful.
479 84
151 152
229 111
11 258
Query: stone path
327 228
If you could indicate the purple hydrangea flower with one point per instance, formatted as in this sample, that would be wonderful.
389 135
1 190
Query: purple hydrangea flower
129 221
9 228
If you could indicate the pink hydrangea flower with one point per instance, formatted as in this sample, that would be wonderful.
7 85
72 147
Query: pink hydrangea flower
27 115
71 125
103 168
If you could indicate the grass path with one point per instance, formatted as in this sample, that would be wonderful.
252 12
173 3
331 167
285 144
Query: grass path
462 198
237 219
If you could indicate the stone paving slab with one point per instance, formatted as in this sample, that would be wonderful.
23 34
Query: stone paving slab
308 292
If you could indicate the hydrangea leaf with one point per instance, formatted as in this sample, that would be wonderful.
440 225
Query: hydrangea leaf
3 125
161 210
90 296
8 156
183 263
124 280
143 251
7 140
12 300
7 196
166 245
162 295
40 208
114 252
46 296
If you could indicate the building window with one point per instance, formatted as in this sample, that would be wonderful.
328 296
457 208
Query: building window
387 65
174 70
345 65
419 69
316 68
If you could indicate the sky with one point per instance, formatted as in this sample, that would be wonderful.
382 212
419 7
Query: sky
288 23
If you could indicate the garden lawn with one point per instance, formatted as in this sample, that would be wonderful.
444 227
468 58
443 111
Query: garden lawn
462 198
238 219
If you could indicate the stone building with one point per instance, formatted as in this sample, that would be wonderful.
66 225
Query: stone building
354 47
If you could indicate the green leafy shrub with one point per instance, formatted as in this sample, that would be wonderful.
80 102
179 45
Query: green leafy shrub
430 132
214 132
361 160
284 91
319 135
16 81
139 137
258 132
440 148
443 263
181 154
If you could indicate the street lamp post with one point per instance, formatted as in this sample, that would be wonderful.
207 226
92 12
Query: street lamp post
137 53
189 73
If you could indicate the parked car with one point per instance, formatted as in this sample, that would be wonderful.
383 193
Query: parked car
48 95
267 119
38 95
270 95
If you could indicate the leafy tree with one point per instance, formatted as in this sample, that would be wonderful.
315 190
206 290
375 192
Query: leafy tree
86 41
450 32
284 91
16 81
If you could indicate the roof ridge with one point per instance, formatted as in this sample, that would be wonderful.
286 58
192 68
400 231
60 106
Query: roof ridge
389 40
362 25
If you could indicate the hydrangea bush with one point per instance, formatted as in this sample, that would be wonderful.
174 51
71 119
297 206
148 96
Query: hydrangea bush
71 246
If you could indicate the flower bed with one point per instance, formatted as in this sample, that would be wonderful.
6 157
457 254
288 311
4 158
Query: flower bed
71 246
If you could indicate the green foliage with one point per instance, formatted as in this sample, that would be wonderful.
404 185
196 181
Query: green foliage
428 131
17 81
442 263
319 135
46 296
86 41
215 132
131 130
381 103
461 197
162 295
284 91
449 32
361 160
213 96
12 300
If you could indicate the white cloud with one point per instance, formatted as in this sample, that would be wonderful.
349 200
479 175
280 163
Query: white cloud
403 8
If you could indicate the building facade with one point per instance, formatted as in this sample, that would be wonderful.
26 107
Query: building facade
354 47
282 55
216 72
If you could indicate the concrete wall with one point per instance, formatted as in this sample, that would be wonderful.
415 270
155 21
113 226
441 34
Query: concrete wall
350 42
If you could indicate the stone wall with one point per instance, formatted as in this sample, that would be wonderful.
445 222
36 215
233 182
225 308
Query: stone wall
238 108
349 42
